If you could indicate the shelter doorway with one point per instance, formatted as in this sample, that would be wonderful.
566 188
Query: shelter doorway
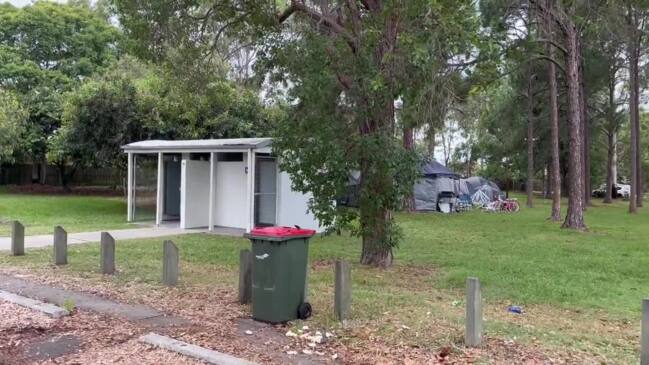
230 208
265 191
172 173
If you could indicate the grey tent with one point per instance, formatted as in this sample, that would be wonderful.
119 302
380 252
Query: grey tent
436 182
479 189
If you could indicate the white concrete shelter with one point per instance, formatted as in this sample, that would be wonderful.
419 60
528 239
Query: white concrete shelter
222 183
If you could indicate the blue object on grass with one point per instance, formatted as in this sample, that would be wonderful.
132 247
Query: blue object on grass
515 309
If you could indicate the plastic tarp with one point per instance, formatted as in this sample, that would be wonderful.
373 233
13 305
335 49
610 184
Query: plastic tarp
481 190
433 168
427 190
435 179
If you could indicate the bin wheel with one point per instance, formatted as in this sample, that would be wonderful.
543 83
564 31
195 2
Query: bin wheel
304 311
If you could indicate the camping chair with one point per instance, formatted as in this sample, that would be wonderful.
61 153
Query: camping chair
464 203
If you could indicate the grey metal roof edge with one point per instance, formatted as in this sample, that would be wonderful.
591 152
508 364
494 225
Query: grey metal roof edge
189 148
262 144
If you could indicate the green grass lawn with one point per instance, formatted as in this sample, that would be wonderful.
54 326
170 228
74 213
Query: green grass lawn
573 285
40 213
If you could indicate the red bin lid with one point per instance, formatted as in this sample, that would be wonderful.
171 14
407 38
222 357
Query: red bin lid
281 232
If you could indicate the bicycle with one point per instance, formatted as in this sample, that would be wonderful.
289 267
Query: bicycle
510 205
503 205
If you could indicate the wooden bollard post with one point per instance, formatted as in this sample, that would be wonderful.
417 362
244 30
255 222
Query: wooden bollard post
17 239
60 246
473 326
343 290
644 334
107 253
170 264
245 276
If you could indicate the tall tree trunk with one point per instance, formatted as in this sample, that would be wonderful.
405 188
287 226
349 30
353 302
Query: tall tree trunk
43 171
611 138
430 141
529 186
376 220
635 122
377 224
408 144
610 161
640 184
575 215
375 252
588 190
634 70
555 163
615 159
585 147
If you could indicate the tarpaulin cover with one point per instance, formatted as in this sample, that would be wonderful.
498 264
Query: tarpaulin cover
435 179
433 168
428 189
481 190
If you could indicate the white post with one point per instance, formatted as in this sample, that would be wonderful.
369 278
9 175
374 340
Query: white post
210 225
250 196
252 189
129 189
183 191
159 192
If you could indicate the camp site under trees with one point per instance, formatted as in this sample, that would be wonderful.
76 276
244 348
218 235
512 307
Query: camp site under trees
339 69
438 155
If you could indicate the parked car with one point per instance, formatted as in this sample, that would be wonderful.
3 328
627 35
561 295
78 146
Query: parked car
621 191
624 190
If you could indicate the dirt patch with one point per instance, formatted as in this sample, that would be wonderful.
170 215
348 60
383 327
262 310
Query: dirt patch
83 338
39 189
214 315
317 265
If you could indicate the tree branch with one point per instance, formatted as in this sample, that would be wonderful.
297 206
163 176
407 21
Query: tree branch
548 58
555 44
319 18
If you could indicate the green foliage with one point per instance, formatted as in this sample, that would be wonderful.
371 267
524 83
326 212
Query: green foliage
133 101
196 38
69 304
46 49
64 42
343 96
339 85
99 117
12 125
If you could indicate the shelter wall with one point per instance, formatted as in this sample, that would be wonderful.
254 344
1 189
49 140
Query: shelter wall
292 206
195 187
230 198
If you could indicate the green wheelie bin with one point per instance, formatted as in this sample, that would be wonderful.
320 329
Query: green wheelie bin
279 270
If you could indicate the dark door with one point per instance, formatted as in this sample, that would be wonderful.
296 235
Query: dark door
172 188
265 191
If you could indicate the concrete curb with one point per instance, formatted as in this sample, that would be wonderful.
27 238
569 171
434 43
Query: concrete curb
47 308
197 352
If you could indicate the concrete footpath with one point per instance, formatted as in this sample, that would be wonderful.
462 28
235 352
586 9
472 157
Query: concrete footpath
46 240
53 345
89 302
